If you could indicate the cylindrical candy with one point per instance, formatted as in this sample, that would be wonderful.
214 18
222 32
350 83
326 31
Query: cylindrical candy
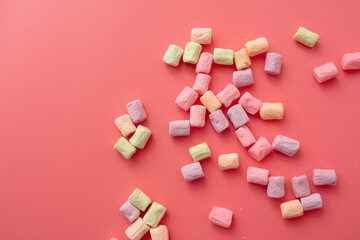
273 63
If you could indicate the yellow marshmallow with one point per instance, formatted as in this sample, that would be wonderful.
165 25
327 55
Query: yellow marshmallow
192 52
223 56
272 111
257 46
173 55
228 161
242 59
210 101
291 209
125 148
201 35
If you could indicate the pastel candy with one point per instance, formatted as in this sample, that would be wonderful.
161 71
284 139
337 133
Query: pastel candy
201 35
300 186
114 239
272 111
125 125
192 52
200 152
221 216
242 59
219 121
125 148
154 215
205 63
325 72
286 145
243 78
159 233
136 111
237 115
311 202
140 137
137 230
139 199
129 211
228 95
306 37
260 149
351 61
273 63
291 209
173 55
250 103
257 46
197 116
257 175
192 171
276 187
210 101
179 128
245 136
223 56
324 177
228 161
201 84
186 98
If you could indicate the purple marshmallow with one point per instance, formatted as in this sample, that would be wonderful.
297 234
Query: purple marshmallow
300 186
273 63
192 171
179 128
136 111
219 121
276 187
285 145
237 115
243 78
324 177
130 211
311 202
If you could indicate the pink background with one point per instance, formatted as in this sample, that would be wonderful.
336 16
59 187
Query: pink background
68 68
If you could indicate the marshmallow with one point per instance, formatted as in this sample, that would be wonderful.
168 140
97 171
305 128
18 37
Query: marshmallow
125 125
273 63
201 84
272 111
159 233
223 56
242 59
245 136
325 72
276 187
228 161
114 239
306 37
139 199
300 186
201 35
137 230
243 78
228 95
285 145
125 148
179 128
136 111
192 52
173 55
291 209
186 98
324 177
205 63
192 171
311 202
237 115
219 121
257 175
129 211
140 137
260 149
351 61
210 101
250 103
197 116
200 152
257 46
155 213
221 216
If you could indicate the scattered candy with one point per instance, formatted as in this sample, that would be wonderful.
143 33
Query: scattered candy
286 145
197 116
250 103
125 148
223 56
205 63
186 98
300 186
210 101
139 199
136 111
324 177
159 233
200 152
219 121
306 37
257 175
201 35
325 72
221 216
125 125
291 209
257 46
129 211
245 136
276 187
243 78
351 61
272 111
311 202
237 116
260 149
242 59
137 230
228 161
173 55
273 63
179 128
228 95
192 52
140 137
201 84
155 213
192 171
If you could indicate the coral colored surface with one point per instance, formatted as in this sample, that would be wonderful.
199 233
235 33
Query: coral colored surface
68 68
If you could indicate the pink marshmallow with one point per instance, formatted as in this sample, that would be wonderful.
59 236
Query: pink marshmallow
201 84
325 72
219 121
130 211
260 149
197 116
245 136
286 145
351 61
276 187
136 111
273 63
186 98
192 171
228 95
257 175
311 202
179 128
237 115
300 186
250 103
204 64
243 78
221 216
324 177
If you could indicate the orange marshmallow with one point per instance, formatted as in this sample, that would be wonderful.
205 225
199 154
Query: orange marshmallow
257 46
210 101
242 59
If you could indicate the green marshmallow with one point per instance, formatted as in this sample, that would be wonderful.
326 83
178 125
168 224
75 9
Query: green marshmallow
192 52
306 37
223 56
139 199
173 55
154 214
125 148
140 137
200 152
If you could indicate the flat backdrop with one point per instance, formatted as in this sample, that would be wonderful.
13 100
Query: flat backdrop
68 68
